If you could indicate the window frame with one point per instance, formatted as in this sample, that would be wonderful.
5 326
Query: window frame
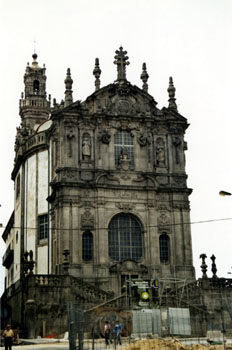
87 245
164 248
123 242
18 186
43 228
123 139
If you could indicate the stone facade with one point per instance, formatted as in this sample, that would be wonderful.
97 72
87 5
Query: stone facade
100 185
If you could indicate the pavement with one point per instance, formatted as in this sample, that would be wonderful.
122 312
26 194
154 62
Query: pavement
99 344
59 344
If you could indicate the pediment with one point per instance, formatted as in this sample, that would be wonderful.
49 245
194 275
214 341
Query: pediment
120 100
123 100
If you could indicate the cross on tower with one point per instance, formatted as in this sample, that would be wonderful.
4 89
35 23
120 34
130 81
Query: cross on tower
121 61
35 42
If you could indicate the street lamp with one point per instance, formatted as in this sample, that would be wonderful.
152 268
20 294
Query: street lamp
224 193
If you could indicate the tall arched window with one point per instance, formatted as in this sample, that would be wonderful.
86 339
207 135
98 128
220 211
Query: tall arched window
125 238
123 145
36 87
164 248
87 246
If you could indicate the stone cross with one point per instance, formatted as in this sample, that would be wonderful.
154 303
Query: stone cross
121 61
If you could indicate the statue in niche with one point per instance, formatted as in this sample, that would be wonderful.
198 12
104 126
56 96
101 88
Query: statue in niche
160 152
124 161
86 147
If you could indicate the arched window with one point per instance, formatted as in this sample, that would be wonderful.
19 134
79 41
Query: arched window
123 146
36 87
125 238
87 246
164 248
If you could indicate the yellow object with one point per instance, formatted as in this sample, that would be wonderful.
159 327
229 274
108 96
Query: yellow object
144 296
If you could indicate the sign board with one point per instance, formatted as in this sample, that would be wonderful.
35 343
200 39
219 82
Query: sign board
140 284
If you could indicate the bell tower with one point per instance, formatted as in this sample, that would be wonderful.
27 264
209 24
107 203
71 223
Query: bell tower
34 107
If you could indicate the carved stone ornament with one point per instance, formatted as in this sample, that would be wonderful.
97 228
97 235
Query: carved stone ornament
163 207
163 219
87 220
179 180
125 206
160 130
104 137
125 124
163 196
128 265
143 140
151 204
70 174
123 106
184 205
125 194
125 177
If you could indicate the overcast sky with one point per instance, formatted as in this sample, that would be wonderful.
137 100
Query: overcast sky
189 40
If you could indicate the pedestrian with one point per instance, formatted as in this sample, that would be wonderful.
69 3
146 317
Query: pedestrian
117 331
8 334
107 329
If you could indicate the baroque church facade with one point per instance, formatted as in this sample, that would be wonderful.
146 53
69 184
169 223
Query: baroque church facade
100 185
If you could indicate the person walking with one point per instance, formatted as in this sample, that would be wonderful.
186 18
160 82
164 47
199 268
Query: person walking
8 335
107 329
117 331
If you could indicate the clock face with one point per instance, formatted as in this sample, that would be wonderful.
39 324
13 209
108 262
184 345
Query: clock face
144 296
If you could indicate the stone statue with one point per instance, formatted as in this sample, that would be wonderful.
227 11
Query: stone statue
86 147
160 153
160 156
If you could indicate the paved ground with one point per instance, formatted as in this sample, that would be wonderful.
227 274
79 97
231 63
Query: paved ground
58 346
99 344
63 345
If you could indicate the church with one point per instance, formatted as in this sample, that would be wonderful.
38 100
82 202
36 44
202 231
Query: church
101 195
101 184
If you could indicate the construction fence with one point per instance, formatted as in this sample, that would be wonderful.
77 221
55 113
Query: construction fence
86 331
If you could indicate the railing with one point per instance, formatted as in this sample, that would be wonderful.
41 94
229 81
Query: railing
84 290
36 140
34 103
220 283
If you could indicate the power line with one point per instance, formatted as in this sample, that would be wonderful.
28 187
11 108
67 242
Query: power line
163 225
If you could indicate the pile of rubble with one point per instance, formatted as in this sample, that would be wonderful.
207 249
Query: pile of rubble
174 344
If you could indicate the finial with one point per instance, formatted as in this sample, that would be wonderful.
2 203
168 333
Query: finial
203 265
68 86
171 93
35 63
214 267
97 73
121 61
144 77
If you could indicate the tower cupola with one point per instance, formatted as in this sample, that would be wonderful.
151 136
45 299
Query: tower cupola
34 107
